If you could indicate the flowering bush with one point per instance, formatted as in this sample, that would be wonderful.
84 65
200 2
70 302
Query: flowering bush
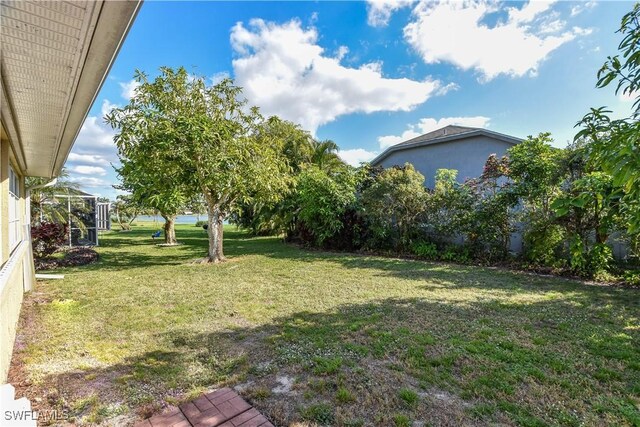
47 237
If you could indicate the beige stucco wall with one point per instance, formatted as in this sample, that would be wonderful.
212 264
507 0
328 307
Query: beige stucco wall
11 293
16 266
4 201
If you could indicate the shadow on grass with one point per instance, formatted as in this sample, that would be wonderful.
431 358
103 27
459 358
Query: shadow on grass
485 354
135 249
122 250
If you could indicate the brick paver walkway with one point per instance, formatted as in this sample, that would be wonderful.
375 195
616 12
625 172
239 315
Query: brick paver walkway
223 408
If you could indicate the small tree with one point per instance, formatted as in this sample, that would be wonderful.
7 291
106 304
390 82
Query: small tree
588 208
233 158
535 170
147 130
491 222
278 217
47 238
393 203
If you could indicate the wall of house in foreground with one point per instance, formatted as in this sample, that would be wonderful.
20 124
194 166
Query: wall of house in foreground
467 156
16 264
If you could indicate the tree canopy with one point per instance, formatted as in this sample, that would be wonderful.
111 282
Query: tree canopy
616 142
181 137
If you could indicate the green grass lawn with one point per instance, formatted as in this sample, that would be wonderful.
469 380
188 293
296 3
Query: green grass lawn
328 338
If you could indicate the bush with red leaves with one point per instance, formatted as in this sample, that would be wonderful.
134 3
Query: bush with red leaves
47 238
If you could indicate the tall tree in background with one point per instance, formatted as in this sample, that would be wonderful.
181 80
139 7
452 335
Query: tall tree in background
263 217
616 142
324 155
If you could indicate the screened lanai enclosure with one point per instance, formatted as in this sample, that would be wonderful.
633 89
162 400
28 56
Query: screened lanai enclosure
86 217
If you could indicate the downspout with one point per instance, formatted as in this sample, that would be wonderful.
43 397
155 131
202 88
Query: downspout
29 270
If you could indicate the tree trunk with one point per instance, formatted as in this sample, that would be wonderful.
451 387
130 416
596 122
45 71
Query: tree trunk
169 230
215 231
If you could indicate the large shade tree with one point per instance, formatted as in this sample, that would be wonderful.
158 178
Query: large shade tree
209 141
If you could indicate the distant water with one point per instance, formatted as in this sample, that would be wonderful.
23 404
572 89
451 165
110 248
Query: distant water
180 219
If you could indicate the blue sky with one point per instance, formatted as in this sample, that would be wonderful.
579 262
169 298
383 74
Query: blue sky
371 74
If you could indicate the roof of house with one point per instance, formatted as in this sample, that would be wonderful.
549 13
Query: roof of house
445 134
55 57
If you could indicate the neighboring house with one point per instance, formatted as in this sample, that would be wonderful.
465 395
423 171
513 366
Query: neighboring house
452 147
55 57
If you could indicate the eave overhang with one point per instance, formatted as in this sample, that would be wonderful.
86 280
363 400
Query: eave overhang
55 57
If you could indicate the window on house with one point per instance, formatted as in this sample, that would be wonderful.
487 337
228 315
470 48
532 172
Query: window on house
15 216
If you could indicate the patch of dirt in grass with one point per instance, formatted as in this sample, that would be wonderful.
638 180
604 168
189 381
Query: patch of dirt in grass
284 385
291 396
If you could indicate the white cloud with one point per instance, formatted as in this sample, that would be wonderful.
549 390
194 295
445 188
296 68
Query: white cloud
285 72
356 156
454 32
582 6
379 11
89 170
107 107
90 182
429 124
218 77
95 137
342 51
629 96
529 11
129 89
93 151
88 159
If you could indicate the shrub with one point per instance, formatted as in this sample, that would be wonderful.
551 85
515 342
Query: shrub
47 238
449 207
589 262
632 278
426 250
393 205
449 253
599 259
323 198
456 253
201 223
543 242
